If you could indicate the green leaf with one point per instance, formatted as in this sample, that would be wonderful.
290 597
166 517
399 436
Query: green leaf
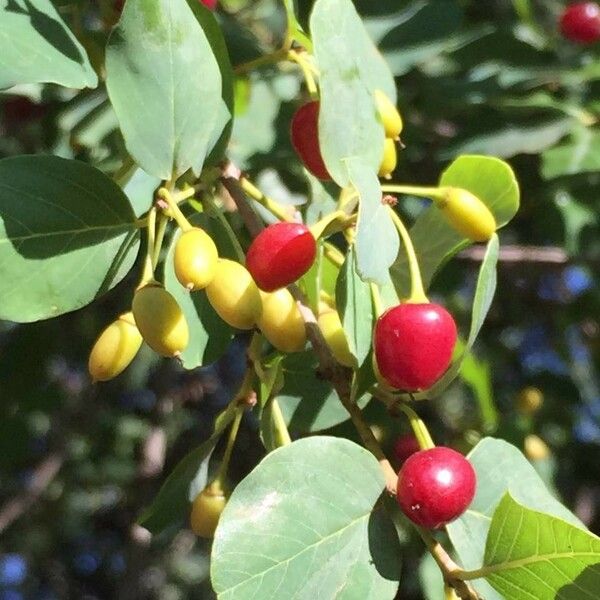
484 294
37 47
580 155
172 503
350 68
166 86
532 555
304 524
353 301
67 235
374 229
307 401
435 241
209 334
500 468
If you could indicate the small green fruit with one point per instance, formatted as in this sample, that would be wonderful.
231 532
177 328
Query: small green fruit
207 509
114 349
160 320
195 259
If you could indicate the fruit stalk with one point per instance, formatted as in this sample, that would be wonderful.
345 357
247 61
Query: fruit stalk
417 292
418 426
265 201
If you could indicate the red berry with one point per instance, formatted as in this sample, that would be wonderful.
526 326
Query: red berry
305 139
405 446
435 487
210 4
580 22
413 345
281 254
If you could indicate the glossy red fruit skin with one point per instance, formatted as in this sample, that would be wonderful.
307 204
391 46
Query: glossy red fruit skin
435 487
304 133
580 22
280 255
405 446
413 345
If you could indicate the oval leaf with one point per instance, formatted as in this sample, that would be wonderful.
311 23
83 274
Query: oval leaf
435 241
165 85
303 524
353 301
67 235
350 68
37 47
500 468
530 554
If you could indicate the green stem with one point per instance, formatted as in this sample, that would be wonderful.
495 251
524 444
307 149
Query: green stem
209 203
333 255
267 59
182 195
418 426
435 193
235 426
160 236
282 434
417 291
376 297
148 272
307 71
164 194
272 206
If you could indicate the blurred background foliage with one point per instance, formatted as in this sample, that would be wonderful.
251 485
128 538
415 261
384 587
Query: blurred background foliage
78 463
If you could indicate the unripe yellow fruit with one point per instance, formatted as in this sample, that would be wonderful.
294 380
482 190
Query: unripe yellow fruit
160 320
207 509
234 295
529 400
390 117
536 448
468 214
390 159
333 332
281 321
115 348
195 259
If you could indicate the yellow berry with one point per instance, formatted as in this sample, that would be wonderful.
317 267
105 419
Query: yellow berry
195 259
281 321
234 295
333 332
536 448
529 400
468 214
114 349
207 509
390 117
160 320
390 159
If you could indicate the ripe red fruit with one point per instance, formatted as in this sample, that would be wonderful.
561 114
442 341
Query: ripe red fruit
210 4
435 487
280 254
413 345
405 446
305 139
580 22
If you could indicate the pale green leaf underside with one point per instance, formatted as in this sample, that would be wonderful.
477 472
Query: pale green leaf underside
534 556
302 525
37 47
165 85
67 235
